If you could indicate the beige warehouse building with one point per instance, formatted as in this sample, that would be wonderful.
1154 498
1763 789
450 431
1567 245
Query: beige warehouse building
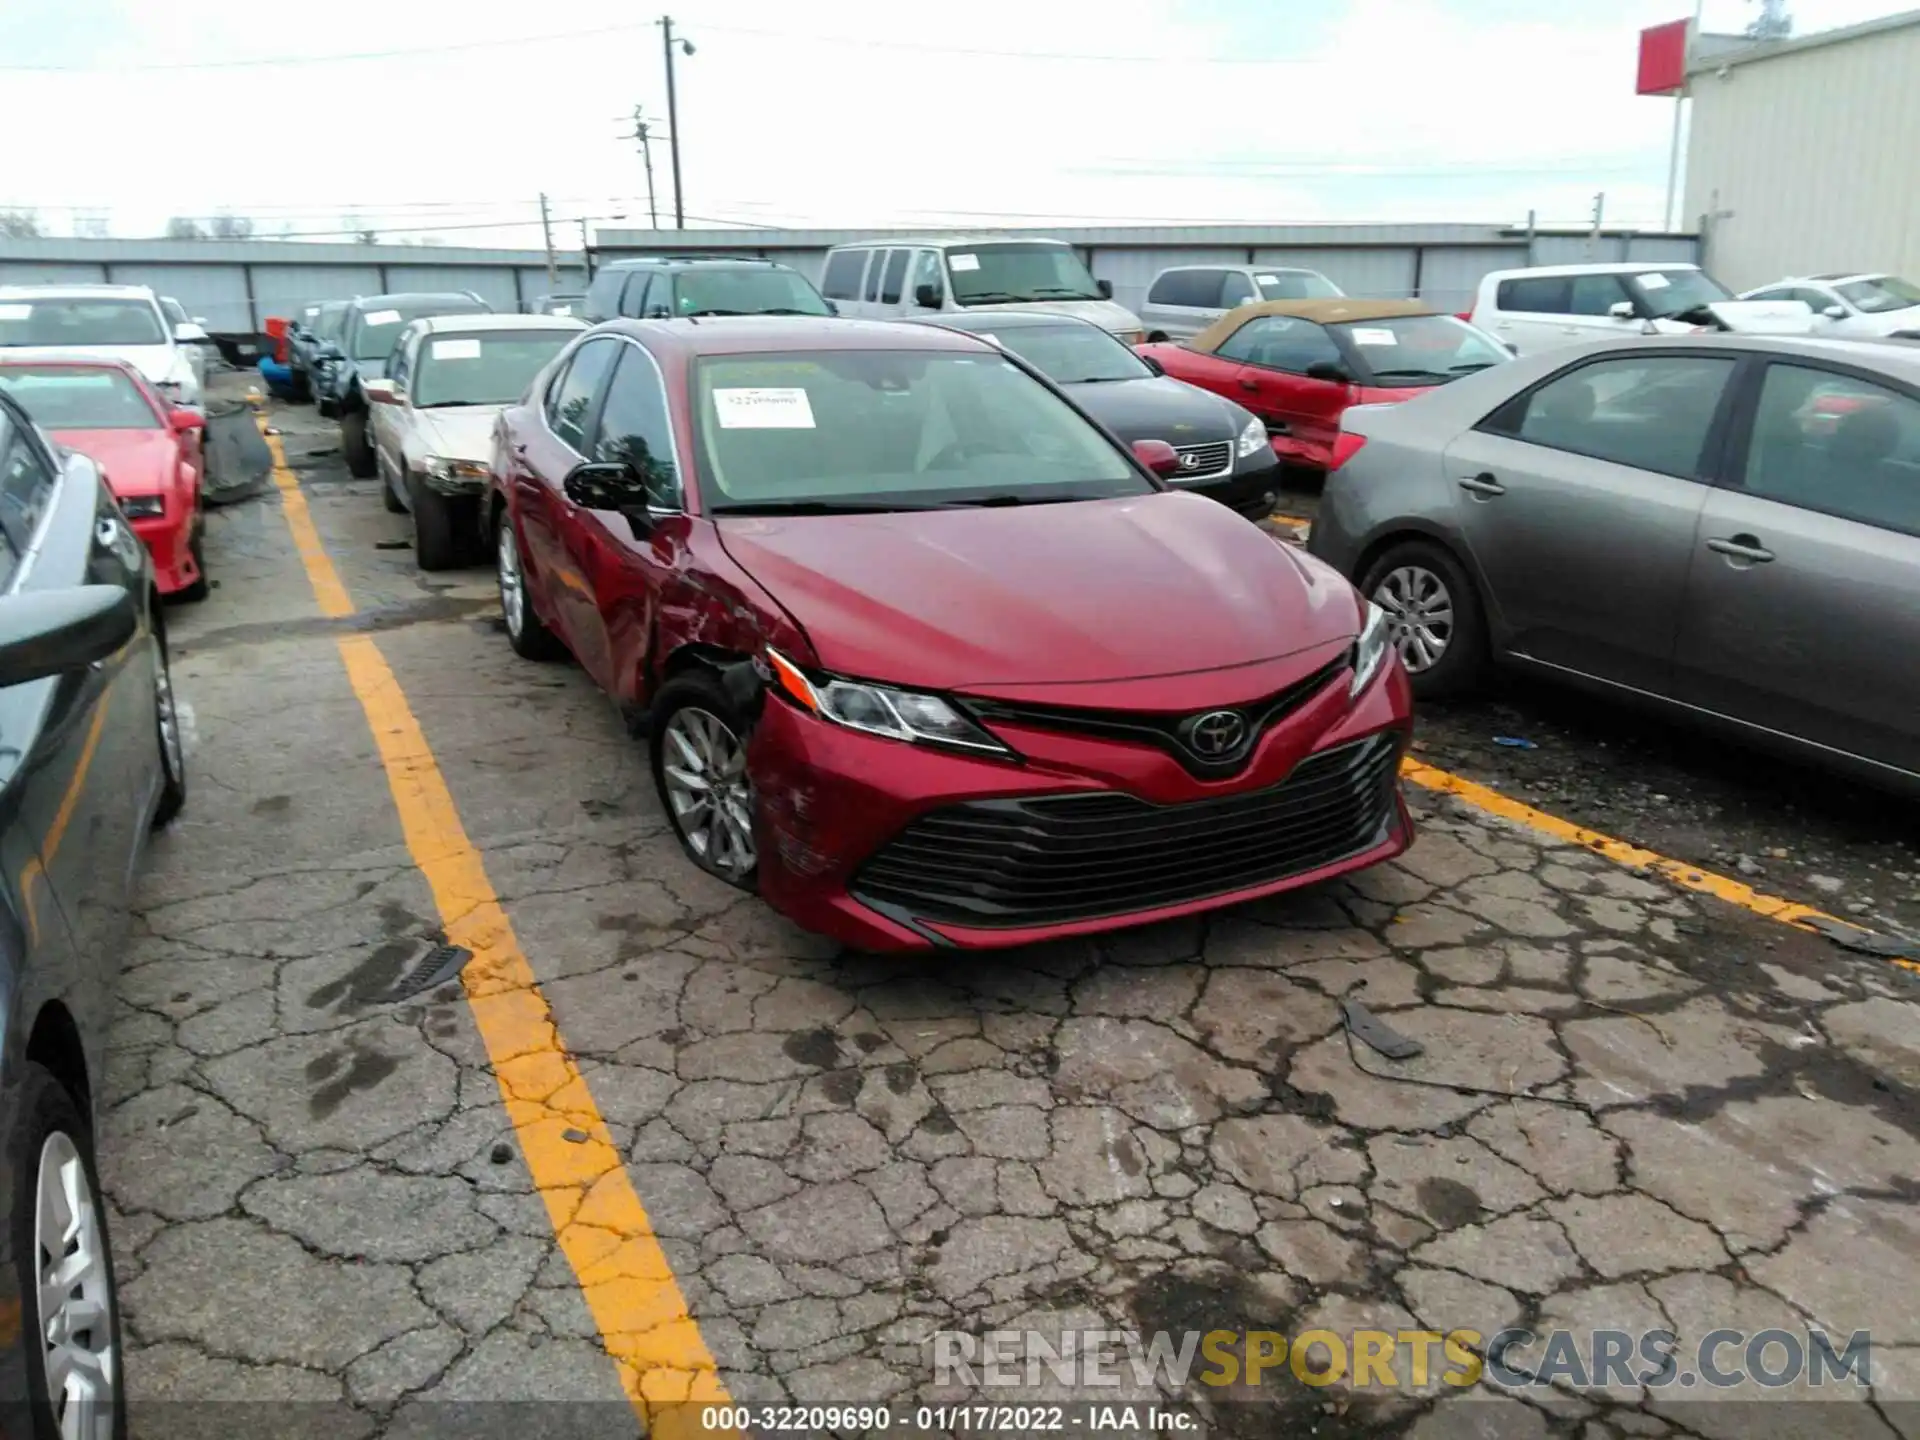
1803 155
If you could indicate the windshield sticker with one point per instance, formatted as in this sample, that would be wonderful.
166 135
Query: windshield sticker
1653 280
465 349
763 408
383 317
1374 337
561 310
958 263
15 312
1267 279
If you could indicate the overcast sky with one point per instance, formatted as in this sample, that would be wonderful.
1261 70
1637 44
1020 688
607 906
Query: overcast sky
841 113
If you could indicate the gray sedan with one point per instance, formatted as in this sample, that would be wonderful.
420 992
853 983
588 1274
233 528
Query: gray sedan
1724 526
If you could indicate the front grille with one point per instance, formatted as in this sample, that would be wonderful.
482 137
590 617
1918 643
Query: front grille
1168 732
1208 460
1058 858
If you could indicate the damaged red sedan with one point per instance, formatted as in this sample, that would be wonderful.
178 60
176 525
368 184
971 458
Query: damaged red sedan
149 449
923 654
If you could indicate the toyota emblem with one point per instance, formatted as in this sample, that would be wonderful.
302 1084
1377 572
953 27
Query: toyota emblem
1217 733
1191 461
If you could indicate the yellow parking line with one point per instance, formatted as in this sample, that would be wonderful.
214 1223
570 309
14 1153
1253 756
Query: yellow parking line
1692 877
601 1224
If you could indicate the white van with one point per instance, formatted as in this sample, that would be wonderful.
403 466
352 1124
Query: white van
892 279
1552 305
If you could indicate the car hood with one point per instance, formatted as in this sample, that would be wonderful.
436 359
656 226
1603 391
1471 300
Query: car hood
1160 409
1764 317
1098 590
461 433
1105 313
137 462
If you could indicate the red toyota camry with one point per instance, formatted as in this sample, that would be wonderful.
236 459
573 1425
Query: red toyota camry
149 450
924 654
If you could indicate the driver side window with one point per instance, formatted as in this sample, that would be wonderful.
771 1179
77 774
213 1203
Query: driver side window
926 271
633 427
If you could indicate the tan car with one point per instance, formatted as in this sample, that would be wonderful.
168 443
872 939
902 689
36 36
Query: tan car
432 418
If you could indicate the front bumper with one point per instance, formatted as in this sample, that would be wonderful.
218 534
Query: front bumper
169 541
1252 491
887 846
453 487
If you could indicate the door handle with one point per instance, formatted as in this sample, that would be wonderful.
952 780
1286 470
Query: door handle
1483 485
1741 547
1246 384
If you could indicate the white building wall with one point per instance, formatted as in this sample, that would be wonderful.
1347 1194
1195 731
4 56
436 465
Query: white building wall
1810 155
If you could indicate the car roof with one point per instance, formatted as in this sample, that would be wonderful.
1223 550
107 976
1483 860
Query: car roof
635 262
77 292
773 334
991 320
1897 357
1242 265
1608 267
947 241
375 302
466 324
1336 311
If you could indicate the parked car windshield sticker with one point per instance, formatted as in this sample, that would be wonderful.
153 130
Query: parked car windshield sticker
16 312
1266 279
457 349
963 262
1653 280
763 409
1375 337
383 317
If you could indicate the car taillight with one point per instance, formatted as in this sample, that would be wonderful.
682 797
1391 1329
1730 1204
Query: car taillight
1346 445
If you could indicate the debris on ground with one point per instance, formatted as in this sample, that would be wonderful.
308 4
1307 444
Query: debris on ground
1514 742
1863 941
1375 1033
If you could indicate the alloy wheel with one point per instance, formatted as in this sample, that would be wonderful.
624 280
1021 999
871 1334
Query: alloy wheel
705 770
512 586
172 754
75 1295
1420 610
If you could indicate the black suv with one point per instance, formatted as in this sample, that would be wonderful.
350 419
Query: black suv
666 287
368 331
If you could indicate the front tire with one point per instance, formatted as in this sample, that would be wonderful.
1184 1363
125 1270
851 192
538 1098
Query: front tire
439 537
358 449
699 752
1438 624
64 1267
530 639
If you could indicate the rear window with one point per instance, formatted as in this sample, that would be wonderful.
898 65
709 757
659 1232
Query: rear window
61 324
77 397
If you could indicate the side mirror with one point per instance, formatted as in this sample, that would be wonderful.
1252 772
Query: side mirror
927 295
1105 287
1152 364
605 485
184 419
1621 310
53 632
190 332
1835 312
833 308
384 392
1158 456
1329 371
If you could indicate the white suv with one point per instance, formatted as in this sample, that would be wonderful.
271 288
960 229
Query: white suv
1869 305
1548 306
124 322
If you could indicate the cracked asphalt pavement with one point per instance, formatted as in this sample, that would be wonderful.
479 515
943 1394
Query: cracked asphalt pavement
1637 1107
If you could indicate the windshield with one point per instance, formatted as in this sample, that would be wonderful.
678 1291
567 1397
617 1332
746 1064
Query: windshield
1666 293
746 292
1421 349
1071 353
994 274
62 324
893 430
1880 294
328 322
380 327
494 368
78 397
1295 285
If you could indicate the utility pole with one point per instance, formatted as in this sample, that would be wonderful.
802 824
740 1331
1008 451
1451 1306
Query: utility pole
646 156
673 117
586 252
546 229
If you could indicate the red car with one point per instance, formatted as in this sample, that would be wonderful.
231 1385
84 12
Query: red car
149 450
1298 364
924 653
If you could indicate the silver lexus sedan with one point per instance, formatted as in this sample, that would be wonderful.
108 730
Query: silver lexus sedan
1724 526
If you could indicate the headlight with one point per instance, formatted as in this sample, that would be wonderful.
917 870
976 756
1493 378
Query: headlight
1370 651
143 507
441 467
1253 439
880 709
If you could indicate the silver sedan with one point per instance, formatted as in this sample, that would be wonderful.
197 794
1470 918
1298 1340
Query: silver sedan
1727 527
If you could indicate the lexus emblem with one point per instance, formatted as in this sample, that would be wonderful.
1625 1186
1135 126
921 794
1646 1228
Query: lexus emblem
1191 461
1217 733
